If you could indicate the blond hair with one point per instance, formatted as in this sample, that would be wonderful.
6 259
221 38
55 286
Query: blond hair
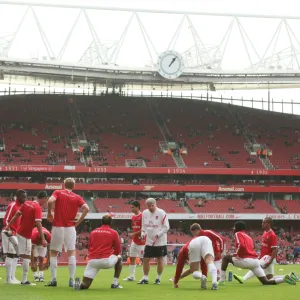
69 183
150 201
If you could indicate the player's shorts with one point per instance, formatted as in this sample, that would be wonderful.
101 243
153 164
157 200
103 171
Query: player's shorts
63 236
199 248
155 251
252 264
270 269
39 251
24 245
7 245
136 250
95 265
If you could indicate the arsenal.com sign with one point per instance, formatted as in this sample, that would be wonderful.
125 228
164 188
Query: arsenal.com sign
53 187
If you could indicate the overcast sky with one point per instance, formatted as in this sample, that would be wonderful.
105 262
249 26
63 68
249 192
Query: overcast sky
160 28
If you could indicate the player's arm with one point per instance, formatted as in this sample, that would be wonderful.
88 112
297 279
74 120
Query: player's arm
33 263
138 233
144 228
165 226
40 230
13 220
46 266
117 244
84 211
179 268
51 201
273 244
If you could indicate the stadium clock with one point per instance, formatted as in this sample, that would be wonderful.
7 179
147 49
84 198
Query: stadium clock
170 64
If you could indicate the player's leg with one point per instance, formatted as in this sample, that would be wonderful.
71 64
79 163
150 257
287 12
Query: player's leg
117 262
34 268
209 260
70 245
203 267
133 254
41 268
56 244
227 259
14 269
9 252
148 254
160 252
218 264
25 254
90 272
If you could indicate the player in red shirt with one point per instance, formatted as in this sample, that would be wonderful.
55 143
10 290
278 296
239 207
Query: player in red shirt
246 258
199 248
268 253
137 244
217 242
63 231
31 215
38 253
9 244
104 253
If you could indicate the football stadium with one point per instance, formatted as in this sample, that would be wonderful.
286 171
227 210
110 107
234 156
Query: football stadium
149 149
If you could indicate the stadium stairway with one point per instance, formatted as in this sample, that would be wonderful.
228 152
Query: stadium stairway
91 205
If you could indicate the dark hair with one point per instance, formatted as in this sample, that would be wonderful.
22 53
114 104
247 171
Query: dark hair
20 192
239 226
195 226
106 220
135 203
269 221
42 194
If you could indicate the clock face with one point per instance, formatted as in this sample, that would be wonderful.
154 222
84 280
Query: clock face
170 64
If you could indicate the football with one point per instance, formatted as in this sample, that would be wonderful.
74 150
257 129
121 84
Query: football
197 275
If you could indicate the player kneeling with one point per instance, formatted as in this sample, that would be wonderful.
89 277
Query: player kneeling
38 254
246 258
104 253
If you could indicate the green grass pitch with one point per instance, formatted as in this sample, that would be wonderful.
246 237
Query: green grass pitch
189 288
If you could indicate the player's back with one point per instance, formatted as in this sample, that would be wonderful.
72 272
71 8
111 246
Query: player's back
67 205
36 235
216 239
31 212
244 245
11 210
104 241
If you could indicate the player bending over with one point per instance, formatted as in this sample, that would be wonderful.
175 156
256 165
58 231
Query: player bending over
137 244
38 254
217 242
9 239
31 216
155 226
103 253
246 258
198 252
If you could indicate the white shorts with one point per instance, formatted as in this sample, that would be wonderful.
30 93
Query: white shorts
24 245
7 245
63 236
252 264
39 251
270 269
136 250
95 265
199 248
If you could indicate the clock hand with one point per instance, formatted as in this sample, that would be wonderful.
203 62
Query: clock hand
173 60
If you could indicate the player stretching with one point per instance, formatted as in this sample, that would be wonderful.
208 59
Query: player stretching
268 253
137 244
104 253
194 251
155 226
9 244
63 231
217 242
31 216
38 253
246 258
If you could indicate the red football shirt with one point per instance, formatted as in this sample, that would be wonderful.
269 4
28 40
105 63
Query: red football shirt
66 207
35 237
136 224
216 239
104 242
268 243
11 210
31 212
244 246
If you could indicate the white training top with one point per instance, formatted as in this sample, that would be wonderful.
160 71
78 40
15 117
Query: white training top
155 227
